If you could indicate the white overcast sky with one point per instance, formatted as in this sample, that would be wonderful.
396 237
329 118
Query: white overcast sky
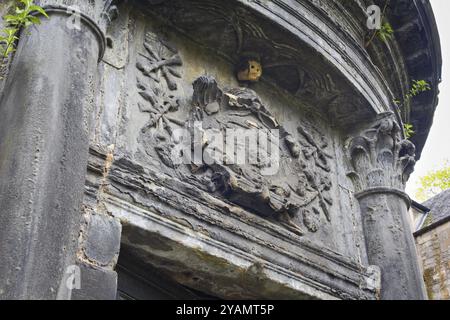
437 147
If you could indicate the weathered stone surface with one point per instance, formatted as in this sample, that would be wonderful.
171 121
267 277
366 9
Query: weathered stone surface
418 41
229 268
381 162
390 245
96 284
434 251
307 144
45 109
433 246
179 75
103 239
305 231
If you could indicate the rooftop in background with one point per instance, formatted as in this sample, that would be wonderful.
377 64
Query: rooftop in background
439 212
439 206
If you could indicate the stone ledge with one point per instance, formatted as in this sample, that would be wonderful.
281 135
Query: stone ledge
174 247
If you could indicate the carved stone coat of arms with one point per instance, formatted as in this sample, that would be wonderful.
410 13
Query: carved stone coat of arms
231 145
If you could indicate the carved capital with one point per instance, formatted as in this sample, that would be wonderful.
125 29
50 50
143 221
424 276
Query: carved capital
379 157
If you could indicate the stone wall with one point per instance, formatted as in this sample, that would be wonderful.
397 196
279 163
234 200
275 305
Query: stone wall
87 170
123 138
434 251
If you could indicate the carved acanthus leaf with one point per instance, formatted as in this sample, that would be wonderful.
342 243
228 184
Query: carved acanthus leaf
379 156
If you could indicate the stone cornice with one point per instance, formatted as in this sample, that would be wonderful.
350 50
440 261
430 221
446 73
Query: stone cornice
418 39
309 266
335 32
339 47
292 35
424 62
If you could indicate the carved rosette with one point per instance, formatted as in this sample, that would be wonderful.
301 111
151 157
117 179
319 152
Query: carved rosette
379 157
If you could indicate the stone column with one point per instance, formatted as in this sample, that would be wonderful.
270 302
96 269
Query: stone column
44 129
382 162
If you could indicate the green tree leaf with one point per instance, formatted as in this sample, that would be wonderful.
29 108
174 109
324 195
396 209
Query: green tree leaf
434 183
408 129
24 17
38 9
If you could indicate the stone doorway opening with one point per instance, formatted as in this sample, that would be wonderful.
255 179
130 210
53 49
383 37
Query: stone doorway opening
139 281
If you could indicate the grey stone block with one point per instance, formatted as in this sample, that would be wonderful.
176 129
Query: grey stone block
96 284
103 241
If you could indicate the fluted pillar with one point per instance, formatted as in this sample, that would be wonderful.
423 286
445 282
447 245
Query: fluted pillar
381 162
44 139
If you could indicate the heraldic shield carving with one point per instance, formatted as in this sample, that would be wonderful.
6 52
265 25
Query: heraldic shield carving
231 145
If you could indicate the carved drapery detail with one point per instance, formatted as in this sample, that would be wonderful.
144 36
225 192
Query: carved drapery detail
379 157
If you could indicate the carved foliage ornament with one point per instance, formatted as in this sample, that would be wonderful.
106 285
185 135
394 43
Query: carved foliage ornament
379 156
157 81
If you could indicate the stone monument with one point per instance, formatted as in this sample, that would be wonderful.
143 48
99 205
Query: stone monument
241 149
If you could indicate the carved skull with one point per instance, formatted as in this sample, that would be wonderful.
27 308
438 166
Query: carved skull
251 71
